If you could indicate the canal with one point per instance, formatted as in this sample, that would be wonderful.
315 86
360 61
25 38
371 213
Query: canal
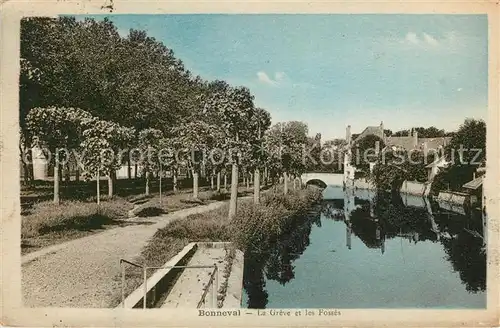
361 250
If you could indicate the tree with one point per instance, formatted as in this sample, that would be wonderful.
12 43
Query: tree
466 152
431 132
261 122
102 143
149 142
197 137
58 128
234 107
285 143
366 151
471 137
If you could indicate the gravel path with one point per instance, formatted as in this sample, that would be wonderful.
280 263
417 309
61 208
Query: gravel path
81 273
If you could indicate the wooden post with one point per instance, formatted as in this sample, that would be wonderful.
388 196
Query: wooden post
285 181
56 181
160 186
256 186
98 188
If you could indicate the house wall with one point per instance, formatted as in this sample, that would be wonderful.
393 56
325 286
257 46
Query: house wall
453 197
363 184
414 188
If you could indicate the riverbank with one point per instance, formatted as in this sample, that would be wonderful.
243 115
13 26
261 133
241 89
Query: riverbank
45 224
255 227
83 272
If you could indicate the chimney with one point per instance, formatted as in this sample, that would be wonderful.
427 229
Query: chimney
348 135
415 138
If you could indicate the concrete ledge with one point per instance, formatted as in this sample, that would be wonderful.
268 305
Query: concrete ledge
234 292
163 279
158 280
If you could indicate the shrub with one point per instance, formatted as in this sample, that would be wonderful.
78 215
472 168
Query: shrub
47 217
149 211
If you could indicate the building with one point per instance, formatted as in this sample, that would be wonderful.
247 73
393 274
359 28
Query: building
409 142
434 167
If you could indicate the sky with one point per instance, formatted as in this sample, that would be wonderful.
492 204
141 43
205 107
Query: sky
331 71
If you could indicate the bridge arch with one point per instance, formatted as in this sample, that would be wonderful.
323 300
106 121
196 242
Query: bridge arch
316 182
323 179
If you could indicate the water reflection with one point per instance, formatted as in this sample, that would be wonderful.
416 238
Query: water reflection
374 219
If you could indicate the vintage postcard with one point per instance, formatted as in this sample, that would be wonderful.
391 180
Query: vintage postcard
249 164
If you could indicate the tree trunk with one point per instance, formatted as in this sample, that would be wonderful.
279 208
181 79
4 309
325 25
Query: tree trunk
135 171
147 182
77 174
225 181
212 181
31 174
56 182
25 172
233 204
67 173
98 188
160 187
174 175
110 185
266 176
248 180
218 181
60 173
195 184
129 169
256 187
285 182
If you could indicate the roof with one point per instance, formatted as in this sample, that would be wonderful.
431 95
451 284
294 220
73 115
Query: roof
434 143
405 142
370 130
401 142
440 162
474 184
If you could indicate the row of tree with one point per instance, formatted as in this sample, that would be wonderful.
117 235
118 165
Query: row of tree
87 89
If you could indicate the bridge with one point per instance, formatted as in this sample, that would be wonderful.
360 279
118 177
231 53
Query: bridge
323 179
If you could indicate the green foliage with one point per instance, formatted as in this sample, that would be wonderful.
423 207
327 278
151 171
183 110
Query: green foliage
47 217
58 127
101 143
452 178
365 151
149 141
86 64
471 136
431 132
255 227
285 144
395 167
